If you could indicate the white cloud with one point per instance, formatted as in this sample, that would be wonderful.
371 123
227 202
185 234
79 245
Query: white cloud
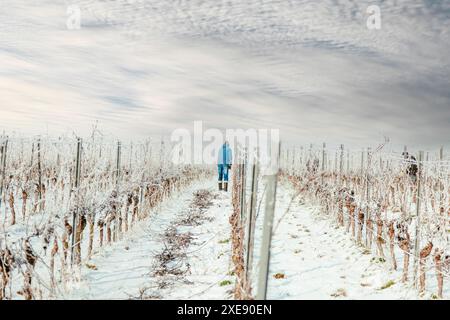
310 68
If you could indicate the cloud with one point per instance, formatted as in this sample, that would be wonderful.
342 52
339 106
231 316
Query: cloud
310 68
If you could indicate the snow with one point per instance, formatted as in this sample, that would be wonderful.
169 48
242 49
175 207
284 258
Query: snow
320 261
125 267
147 67
311 256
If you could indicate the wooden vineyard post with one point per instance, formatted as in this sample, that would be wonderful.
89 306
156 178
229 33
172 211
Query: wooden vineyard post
243 186
339 184
417 238
294 152
1 174
351 162
141 196
238 175
77 185
118 164
267 232
58 156
4 150
161 157
367 195
131 156
301 156
32 154
118 156
341 164
362 162
348 162
288 160
323 164
441 186
335 162
39 154
237 233
251 221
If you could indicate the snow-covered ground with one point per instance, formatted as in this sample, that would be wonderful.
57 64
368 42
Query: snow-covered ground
312 258
124 269
320 261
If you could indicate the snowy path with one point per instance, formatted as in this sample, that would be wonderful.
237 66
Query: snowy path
314 259
124 269
322 262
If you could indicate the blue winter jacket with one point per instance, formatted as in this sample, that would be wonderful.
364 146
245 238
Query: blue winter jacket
225 155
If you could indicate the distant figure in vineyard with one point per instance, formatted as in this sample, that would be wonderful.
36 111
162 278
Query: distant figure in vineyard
411 167
224 163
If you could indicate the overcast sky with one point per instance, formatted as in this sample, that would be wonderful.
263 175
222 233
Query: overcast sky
310 68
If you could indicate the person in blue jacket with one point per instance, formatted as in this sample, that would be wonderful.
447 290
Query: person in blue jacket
225 160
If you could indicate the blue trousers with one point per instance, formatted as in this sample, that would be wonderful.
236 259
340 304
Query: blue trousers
223 172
